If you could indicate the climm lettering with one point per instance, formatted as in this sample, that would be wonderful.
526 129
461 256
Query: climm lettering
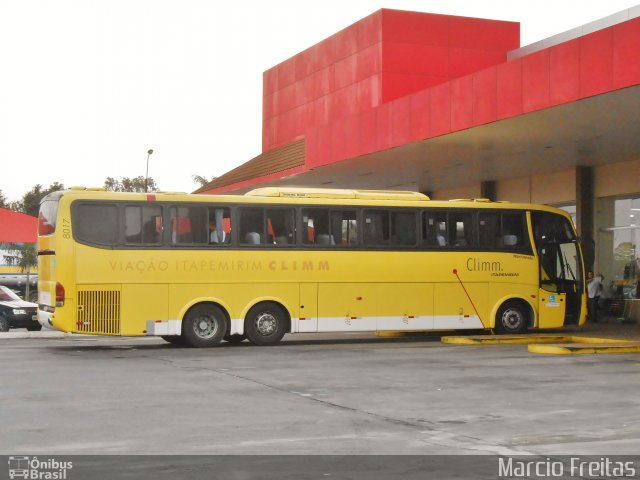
296 265
477 265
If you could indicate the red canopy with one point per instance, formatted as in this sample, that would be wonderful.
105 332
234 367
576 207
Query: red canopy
17 227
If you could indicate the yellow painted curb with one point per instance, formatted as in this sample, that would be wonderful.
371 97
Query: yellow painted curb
551 344
541 343
391 334
505 339
579 339
587 348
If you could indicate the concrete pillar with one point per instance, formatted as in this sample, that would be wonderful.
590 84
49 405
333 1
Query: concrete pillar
488 190
585 213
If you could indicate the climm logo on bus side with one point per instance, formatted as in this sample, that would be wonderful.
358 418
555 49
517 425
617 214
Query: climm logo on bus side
493 267
477 265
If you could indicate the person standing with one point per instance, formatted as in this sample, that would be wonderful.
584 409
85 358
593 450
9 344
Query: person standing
594 286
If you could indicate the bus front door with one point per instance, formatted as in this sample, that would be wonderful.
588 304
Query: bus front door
551 309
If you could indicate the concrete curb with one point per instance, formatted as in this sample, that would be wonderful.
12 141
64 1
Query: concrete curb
46 334
505 339
586 348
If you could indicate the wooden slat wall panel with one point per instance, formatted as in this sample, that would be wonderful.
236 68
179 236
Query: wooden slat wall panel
267 163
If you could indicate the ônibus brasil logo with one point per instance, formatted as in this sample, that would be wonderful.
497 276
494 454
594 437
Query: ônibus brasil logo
38 469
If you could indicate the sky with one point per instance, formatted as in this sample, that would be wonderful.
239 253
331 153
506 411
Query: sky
88 86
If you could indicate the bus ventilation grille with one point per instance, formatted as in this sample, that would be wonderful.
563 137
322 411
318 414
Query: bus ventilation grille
98 312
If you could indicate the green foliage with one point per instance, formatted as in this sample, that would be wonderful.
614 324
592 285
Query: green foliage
30 203
201 180
3 201
136 184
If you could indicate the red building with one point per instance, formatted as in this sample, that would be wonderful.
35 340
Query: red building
453 107
17 227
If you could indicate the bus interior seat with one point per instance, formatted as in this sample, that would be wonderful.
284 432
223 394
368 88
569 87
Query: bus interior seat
324 239
282 240
510 240
185 237
373 231
253 238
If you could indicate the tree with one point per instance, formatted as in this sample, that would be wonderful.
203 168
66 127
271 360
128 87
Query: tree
3 201
202 180
30 203
135 184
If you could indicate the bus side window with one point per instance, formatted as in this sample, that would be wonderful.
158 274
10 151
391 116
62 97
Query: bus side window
96 223
133 224
251 226
189 225
489 230
280 226
403 228
315 226
376 227
343 228
513 230
434 229
219 226
461 229
143 224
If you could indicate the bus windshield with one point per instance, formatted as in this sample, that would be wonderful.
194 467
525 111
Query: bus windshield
557 247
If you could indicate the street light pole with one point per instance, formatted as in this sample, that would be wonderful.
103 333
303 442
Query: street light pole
146 177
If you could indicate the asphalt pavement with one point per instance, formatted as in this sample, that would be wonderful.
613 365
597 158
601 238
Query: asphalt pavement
330 394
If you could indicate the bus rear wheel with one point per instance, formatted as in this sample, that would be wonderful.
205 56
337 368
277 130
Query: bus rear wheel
204 326
266 324
512 319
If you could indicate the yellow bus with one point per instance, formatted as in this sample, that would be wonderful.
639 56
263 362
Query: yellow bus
197 269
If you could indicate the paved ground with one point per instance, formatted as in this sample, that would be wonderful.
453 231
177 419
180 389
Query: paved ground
315 394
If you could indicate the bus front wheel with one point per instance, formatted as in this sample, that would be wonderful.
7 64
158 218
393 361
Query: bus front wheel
266 324
512 319
204 325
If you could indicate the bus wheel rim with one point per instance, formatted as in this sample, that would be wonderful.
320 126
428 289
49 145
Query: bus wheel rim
205 326
266 324
511 318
